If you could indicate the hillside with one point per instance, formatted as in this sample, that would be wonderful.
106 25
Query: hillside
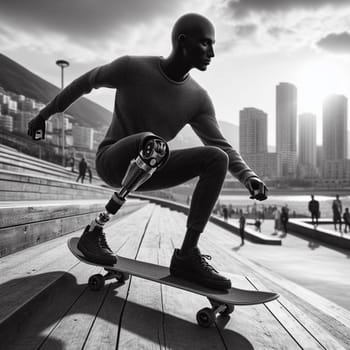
16 78
187 138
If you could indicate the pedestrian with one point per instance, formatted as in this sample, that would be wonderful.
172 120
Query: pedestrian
285 218
88 169
314 209
276 214
225 212
157 97
337 209
242 221
346 218
82 170
257 224
71 163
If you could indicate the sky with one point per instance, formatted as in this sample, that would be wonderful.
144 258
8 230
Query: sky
259 43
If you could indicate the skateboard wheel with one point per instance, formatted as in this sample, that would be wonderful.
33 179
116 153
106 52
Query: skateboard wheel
123 277
229 309
205 317
96 282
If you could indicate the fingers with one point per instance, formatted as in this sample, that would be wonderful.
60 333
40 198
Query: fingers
258 190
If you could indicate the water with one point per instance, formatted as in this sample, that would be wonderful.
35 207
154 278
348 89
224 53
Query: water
297 203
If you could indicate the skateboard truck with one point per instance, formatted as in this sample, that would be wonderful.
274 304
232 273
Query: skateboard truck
97 281
207 316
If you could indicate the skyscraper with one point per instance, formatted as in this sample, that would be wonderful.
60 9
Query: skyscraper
253 143
286 127
252 131
335 126
307 139
307 152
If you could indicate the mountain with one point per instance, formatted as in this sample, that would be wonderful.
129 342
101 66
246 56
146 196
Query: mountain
187 138
16 78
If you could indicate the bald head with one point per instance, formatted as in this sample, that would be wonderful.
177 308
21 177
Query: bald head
190 24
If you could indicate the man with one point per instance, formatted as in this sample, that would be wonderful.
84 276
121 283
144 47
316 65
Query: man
337 208
241 225
156 98
82 170
314 209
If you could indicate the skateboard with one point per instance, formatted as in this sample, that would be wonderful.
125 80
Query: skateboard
222 301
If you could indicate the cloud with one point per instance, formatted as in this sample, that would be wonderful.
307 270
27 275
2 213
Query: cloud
243 8
336 43
277 32
82 19
245 30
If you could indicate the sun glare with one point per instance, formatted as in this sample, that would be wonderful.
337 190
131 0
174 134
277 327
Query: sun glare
315 81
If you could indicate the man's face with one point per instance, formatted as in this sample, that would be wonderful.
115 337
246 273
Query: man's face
198 47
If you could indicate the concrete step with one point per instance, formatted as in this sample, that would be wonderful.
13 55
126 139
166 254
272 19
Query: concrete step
24 224
13 160
23 186
49 278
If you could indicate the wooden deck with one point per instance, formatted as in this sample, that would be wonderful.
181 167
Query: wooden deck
145 315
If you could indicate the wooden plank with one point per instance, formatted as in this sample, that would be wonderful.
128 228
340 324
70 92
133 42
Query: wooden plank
142 323
332 317
180 307
48 326
104 331
298 323
249 326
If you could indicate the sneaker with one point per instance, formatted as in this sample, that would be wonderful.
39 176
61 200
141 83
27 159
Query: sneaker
194 267
94 246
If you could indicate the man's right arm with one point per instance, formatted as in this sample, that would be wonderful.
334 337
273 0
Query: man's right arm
110 75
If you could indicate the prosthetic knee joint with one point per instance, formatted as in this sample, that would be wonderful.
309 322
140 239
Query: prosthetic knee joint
153 154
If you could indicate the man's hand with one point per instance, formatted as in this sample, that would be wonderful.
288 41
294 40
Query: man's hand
36 128
256 188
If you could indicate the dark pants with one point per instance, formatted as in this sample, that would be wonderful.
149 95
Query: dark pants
314 217
81 176
207 162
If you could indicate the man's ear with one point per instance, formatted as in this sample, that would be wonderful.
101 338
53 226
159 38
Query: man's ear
181 40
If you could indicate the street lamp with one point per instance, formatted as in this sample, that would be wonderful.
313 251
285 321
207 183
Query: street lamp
63 64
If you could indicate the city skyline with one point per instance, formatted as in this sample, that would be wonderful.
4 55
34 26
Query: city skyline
258 45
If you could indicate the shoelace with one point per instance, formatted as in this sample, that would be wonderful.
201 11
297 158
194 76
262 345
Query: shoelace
102 241
204 264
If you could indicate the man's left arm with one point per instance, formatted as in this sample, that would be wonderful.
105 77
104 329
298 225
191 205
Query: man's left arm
206 127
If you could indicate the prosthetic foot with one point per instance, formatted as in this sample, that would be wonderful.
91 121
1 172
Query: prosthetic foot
153 154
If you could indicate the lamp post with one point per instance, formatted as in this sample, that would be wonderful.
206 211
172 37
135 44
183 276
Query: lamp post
63 64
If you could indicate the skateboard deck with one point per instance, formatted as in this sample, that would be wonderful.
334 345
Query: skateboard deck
222 301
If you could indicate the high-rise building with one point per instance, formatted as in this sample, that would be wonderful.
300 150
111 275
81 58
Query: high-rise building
307 139
335 126
286 127
253 143
252 131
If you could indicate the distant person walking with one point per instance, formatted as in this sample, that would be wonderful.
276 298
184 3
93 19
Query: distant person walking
71 163
82 170
257 224
241 225
337 208
346 218
284 218
88 169
277 219
225 212
314 209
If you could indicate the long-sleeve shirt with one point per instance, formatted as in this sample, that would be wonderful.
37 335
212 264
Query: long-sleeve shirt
148 100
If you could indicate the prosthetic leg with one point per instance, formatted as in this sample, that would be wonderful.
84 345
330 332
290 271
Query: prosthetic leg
153 154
